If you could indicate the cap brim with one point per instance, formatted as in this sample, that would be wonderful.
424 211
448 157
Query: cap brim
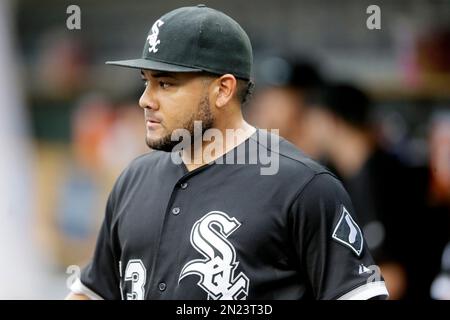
152 65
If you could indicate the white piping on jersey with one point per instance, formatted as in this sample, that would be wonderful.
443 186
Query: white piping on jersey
366 291
79 288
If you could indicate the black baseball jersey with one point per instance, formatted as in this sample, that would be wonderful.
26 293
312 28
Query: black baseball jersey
227 231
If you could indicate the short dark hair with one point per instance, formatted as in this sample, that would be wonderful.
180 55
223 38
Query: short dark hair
244 87
244 90
346 101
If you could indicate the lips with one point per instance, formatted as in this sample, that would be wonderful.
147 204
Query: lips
152 123
152 120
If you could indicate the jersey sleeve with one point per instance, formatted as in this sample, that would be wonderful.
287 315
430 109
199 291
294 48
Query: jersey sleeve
100 278
330 246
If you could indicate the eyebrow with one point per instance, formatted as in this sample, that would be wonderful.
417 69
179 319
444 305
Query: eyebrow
159 74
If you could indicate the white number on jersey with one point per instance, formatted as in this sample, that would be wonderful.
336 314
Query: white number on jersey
137 274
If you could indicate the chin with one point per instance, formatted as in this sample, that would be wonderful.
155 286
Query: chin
152 141
161 143
153 136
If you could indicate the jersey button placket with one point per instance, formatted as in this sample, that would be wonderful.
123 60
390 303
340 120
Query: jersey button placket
162 286
183 185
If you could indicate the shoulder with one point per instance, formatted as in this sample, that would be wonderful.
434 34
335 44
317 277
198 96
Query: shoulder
321 202
293 164
139 168
145 163
324 186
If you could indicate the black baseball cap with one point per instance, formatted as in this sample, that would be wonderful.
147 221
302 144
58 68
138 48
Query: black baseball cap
195 39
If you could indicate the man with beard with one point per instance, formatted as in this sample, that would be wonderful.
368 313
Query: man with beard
222 228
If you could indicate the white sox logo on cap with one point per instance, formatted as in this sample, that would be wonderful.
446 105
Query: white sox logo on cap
195 39
153 38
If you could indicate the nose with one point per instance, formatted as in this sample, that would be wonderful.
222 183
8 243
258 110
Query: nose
147 100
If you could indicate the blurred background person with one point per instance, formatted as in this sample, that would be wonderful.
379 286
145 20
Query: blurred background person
21 266
81 140
67 122
439 197
440 288
284 86
389 196
375 180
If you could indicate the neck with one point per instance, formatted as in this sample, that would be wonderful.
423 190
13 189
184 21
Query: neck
226 135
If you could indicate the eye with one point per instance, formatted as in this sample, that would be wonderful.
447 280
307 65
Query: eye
164 84
145 82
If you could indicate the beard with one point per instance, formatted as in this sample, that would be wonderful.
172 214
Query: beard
203 114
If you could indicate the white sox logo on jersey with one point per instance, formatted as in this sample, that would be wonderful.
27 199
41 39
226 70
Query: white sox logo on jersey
216 271
153 38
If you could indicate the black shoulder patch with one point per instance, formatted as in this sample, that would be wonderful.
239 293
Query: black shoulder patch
348 233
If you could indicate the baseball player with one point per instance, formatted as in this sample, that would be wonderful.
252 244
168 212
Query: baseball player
221 230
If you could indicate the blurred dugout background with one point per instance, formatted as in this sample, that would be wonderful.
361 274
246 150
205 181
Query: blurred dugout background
69 124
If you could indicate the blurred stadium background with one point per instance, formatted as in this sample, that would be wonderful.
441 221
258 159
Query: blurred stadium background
69 124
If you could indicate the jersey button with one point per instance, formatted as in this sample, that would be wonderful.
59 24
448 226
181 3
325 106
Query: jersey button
184 185
162 286
176 211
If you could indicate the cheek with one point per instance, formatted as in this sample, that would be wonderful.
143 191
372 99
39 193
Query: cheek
180 104
177 111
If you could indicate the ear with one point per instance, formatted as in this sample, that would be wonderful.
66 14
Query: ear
226 89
